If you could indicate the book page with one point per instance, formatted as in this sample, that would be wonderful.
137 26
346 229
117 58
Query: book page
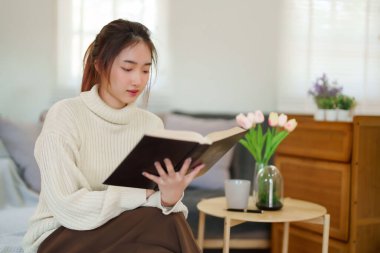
179 135
216 136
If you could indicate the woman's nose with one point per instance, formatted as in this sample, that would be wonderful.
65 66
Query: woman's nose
137 78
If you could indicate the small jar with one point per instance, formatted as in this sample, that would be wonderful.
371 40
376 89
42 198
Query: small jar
269 188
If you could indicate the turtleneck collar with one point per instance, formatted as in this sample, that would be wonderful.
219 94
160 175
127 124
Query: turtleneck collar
96 104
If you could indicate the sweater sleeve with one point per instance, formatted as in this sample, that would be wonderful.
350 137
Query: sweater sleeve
68 194
155 200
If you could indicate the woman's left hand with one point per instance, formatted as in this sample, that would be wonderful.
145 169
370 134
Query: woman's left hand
171 183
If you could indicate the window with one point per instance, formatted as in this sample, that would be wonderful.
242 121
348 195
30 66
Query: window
80 20
337 37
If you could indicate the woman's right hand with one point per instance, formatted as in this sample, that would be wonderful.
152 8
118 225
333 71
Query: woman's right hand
172 184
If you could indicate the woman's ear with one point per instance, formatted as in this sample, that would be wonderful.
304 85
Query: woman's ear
96 65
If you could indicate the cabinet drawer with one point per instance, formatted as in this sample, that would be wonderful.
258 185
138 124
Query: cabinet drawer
322 182
303 241
320 140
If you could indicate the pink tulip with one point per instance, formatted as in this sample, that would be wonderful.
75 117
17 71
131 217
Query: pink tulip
282 119
244 121
251 117
290 125
273 119
259 116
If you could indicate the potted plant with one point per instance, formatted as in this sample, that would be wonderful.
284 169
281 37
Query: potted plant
326 106
325 95
267 179
345 104
329 106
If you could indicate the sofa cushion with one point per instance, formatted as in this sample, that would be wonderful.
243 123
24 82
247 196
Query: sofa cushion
19 139
214 178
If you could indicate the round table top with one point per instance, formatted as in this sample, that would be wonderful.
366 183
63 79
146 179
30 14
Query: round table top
292 210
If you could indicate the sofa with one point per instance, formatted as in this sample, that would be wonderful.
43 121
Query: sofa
20 181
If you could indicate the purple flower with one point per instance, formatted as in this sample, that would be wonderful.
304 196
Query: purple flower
322 88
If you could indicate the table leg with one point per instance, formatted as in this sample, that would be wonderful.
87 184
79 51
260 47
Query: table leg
285 238
326 229
201 229
226 238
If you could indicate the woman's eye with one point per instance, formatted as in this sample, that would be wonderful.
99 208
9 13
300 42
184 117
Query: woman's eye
127 70
146 71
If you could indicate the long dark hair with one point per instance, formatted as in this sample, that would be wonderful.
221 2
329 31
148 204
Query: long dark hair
110 41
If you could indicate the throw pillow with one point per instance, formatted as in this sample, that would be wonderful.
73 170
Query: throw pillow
214 178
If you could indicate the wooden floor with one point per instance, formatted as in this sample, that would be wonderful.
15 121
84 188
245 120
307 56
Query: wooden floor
237 251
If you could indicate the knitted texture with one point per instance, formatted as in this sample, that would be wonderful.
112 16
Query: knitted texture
81 143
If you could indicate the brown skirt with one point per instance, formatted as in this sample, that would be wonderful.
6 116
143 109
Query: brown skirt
144 230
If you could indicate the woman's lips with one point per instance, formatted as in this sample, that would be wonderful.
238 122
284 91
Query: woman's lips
133 92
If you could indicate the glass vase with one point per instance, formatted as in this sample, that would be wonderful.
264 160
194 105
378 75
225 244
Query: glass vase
269 188
258 167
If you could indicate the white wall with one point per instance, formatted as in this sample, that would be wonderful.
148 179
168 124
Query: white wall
223 55
27 57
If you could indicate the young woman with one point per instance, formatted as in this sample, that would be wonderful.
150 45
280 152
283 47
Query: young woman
82 142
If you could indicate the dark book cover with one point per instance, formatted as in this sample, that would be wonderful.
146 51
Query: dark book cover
151 149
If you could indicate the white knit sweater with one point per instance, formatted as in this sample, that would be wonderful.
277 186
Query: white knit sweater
82 142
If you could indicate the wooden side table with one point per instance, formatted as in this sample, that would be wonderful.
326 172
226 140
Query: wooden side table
292 211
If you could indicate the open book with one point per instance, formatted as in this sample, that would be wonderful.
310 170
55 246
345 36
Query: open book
177 146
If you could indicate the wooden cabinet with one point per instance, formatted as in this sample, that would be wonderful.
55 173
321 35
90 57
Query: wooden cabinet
337 165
